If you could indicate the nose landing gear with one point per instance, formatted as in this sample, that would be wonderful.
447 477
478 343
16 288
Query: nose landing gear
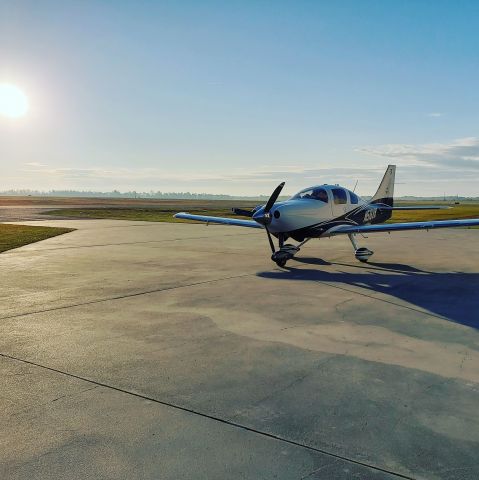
286 250
285 253
361 253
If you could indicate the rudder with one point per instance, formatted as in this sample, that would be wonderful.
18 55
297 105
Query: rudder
385 192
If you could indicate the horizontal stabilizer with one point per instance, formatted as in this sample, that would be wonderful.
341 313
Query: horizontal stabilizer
413 207
243 213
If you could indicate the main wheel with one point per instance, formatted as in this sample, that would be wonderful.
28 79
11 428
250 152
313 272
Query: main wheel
363 254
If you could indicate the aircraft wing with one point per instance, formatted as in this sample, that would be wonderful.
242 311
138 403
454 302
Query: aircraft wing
393 227
220 220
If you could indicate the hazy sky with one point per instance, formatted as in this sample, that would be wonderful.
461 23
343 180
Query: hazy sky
236 96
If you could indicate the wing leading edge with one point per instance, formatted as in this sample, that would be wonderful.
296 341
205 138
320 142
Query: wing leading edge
220 220
393 227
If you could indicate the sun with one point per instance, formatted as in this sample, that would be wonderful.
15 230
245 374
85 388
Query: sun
13 102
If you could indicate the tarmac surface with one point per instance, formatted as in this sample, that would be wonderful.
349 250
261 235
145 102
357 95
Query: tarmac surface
133 350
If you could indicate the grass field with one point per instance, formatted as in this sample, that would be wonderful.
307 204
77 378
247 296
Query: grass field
157 213
164 212
14 236
457 212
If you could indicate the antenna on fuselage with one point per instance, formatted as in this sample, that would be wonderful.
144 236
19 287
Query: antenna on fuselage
355 185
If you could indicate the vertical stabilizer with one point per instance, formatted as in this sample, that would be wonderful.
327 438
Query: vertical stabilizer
385 191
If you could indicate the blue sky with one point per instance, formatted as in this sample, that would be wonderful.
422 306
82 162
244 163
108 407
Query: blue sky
233 97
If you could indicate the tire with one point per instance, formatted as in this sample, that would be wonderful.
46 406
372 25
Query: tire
281 263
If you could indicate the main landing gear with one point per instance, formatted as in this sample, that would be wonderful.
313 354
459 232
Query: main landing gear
361 253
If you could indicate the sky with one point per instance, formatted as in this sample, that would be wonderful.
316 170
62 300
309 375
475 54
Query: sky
235 97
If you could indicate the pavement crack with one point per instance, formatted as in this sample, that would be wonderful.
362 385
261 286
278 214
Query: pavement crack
466 354
340 304
76 394
61 397
274 393
329 464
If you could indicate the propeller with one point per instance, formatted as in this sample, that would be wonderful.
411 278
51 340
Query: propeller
265 218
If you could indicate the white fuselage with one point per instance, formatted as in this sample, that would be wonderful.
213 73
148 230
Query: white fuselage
313 205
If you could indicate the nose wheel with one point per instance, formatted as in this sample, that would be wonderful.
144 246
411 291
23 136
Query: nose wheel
285 253
281 262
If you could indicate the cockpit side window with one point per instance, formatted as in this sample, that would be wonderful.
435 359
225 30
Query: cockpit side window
353 198
339 196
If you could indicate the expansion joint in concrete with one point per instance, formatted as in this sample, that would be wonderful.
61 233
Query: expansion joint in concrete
120 297
211 417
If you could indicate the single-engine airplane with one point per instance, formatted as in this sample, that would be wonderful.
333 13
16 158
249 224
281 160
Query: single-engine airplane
326 211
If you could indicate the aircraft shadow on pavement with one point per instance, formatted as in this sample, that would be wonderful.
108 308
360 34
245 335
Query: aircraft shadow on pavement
451 295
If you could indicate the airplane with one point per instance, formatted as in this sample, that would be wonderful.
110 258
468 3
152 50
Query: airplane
326 211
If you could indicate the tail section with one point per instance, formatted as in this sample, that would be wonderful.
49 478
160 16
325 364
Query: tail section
385 191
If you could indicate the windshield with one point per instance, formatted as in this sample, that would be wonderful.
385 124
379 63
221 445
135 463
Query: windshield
314 194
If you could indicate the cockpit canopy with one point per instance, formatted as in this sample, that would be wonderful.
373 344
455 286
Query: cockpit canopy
315 193
326 193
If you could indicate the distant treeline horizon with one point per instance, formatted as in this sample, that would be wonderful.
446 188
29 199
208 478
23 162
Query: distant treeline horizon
183 195
128 194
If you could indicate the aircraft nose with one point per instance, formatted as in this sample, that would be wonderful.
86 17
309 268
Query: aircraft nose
270 219
258 214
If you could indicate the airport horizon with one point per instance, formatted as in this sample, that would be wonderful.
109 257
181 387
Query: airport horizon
158 195
202 94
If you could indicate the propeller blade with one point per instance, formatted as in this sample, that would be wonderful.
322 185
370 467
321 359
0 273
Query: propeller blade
273 198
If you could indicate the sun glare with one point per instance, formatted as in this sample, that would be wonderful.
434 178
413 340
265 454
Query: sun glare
13 102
